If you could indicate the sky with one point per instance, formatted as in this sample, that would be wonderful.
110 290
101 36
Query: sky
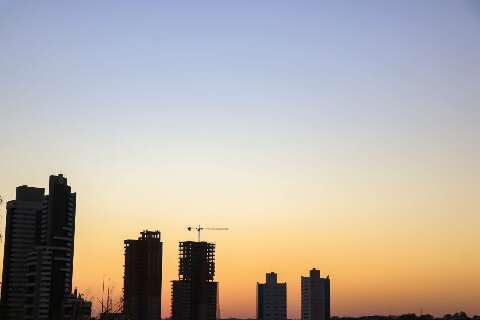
341 135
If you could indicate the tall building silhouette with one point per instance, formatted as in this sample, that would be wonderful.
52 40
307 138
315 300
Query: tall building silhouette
21 236
143 277
271 299
315 296
195 294
39 248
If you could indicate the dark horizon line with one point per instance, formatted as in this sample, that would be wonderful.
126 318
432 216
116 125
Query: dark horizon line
457 315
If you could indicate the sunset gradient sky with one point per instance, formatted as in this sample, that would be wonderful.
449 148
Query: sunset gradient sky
342 135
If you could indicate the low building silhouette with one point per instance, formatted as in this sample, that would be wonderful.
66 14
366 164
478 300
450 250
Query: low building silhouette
78 308
112 316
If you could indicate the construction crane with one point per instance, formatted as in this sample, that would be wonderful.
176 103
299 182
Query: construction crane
200 228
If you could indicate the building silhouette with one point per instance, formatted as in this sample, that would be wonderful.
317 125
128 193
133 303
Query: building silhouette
80 309
21 237
271 299
195 294
315 296
143 277
112 316
38 259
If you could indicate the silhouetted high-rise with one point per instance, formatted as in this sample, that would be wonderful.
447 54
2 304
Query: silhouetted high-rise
271 299
39 248
143 277
21 237
195 294
315 297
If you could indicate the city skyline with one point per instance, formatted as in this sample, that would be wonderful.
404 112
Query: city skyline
344 133
30 193
116 298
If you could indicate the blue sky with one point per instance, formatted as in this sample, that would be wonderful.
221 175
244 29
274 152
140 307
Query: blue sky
251 67
253 74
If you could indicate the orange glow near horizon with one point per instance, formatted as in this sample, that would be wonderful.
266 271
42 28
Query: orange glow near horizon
382 258
392 241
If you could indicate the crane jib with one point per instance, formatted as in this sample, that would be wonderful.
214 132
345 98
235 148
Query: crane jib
200 228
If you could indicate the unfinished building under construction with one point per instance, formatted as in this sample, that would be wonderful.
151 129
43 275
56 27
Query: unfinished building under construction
195 294
143 277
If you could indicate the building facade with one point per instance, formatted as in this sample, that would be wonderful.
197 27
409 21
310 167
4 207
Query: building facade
143 277
271 299
195 293
315 292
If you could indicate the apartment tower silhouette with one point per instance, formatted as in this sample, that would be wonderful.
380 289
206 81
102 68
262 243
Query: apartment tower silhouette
271 299
315 296
143 277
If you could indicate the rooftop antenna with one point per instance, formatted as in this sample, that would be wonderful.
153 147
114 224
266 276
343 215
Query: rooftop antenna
200 228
